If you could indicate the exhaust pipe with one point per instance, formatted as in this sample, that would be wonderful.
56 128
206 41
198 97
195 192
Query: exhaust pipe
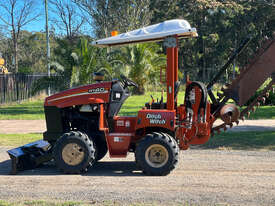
229 113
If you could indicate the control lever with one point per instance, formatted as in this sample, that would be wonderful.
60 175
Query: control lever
161 99
152 99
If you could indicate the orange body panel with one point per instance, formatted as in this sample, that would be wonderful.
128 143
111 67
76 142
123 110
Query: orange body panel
156 118
125 124
98 92
198 132
118 143
102 120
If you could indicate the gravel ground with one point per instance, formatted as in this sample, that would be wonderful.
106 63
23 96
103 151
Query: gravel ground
205 177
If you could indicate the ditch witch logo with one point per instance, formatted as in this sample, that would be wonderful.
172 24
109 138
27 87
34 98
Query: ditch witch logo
155 119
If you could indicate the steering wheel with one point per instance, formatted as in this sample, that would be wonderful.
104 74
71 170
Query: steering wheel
127 82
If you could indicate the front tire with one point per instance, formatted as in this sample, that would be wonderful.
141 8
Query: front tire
74 153
157 154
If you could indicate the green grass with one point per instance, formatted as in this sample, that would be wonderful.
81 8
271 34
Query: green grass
18 139
134 103
242 141
263 112
33 110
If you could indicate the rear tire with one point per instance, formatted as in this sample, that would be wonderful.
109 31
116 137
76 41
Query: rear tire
74 153
157 154
101 149
100 146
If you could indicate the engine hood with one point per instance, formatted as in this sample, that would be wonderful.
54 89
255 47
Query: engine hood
93 93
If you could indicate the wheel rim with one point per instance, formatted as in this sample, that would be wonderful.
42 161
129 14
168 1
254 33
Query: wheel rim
72 154
156 155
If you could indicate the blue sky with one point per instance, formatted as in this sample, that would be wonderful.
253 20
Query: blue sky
35 25
39 24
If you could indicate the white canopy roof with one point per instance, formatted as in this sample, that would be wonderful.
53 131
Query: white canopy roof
156 32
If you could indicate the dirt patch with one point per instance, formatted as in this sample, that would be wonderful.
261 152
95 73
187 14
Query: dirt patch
22 126
202 177
252 125
39 126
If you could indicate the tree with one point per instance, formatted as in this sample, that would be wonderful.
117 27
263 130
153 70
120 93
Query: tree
73 64
61 65
3 43
32 53
164 10
212 20
107 15
258 21
66 17
142 63
16 14
88 61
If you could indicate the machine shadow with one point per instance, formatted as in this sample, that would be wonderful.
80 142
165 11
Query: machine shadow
5 167
108 168
114 168
244 128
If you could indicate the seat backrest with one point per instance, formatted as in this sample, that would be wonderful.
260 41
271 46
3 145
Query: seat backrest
177 89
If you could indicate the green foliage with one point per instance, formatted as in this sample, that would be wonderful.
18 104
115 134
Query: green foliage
163 10
90 59
142 63
203 56
123 15
24 70
75 62
32 53
269 99
55 82
222 26
62 65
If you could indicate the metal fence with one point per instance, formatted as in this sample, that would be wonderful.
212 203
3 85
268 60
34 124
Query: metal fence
16 87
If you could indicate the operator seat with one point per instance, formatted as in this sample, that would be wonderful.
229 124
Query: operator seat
160 104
